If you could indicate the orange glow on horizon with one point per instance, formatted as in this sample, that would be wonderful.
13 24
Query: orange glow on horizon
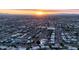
39 13
36 12
31 12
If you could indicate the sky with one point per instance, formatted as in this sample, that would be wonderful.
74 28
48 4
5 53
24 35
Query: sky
38 11
39 6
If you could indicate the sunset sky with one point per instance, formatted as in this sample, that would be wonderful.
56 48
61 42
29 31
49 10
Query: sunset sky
37 11
39 6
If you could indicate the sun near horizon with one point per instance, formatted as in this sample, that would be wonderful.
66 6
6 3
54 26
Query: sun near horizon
33 12
36 11
40 13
